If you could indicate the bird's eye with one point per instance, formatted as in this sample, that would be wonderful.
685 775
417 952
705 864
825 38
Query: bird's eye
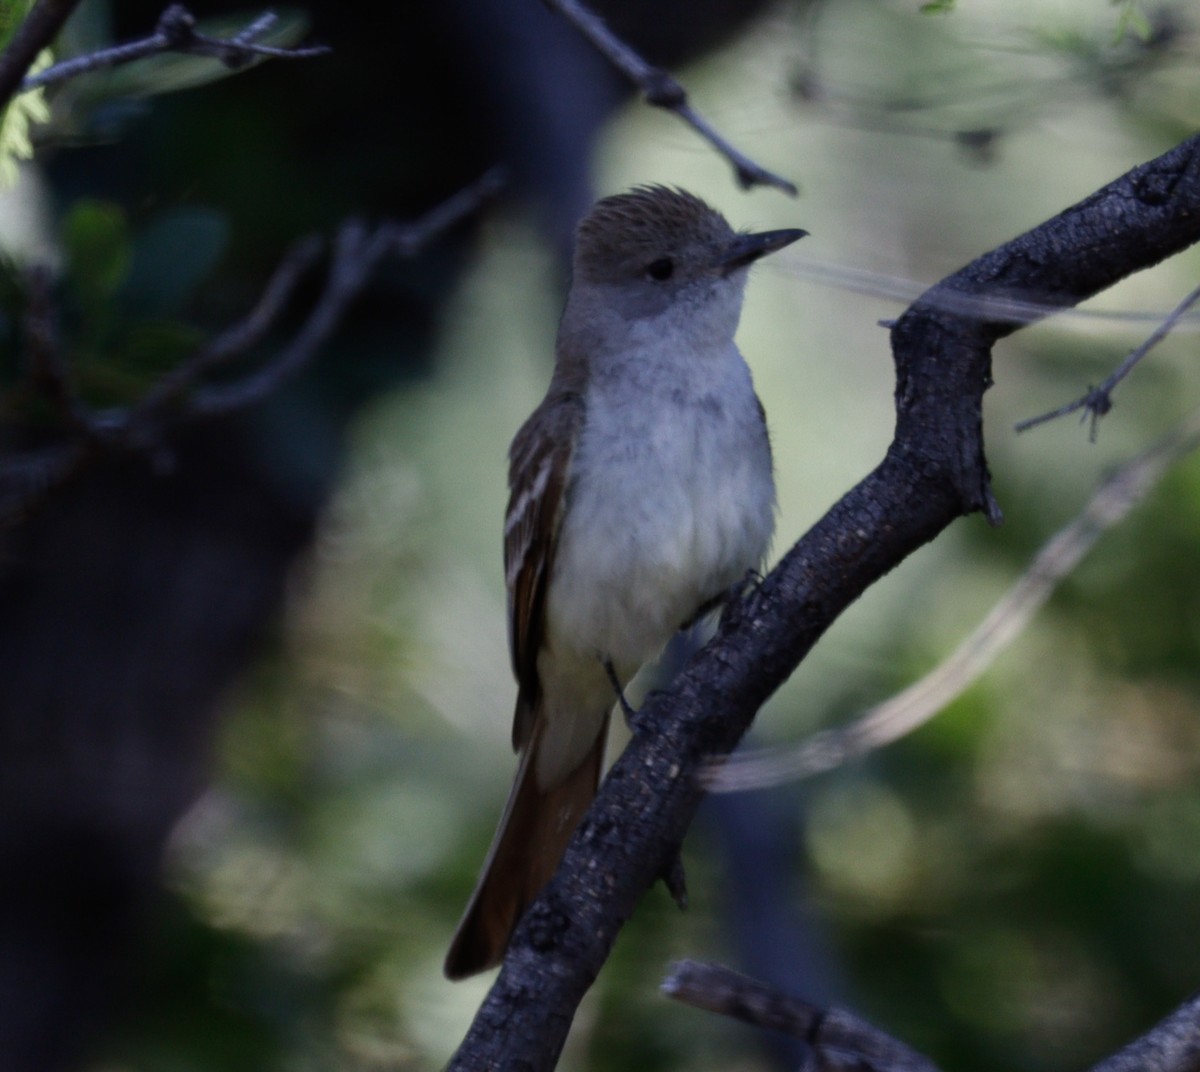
661 269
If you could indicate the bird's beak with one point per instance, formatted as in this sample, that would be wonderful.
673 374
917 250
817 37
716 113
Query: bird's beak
747 248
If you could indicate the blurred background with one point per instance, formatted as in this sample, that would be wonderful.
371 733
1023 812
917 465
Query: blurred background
254 728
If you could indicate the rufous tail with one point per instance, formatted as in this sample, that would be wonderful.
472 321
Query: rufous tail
529 843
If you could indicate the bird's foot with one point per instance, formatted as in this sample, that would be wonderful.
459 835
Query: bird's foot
746 588
751 581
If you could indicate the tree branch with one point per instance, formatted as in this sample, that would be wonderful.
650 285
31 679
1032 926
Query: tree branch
1172 1045
839 1039
39 28
934 472
176 32
179 398
1098 400
663 91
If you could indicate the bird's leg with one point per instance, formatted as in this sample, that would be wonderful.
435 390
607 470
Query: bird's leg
750 580
746 588
626 710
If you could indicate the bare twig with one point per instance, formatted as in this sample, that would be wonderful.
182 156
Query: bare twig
357 253
1098 400
176 32
40 27
411 237
239 338
843 1041
177 400
839 1039
257 28
663 91
914 706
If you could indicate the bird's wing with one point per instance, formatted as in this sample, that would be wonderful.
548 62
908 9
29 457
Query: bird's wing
539 473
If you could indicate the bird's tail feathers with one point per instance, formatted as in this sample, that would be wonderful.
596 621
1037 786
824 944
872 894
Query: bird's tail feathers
528 845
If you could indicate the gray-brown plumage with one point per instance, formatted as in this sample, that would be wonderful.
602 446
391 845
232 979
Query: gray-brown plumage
639 491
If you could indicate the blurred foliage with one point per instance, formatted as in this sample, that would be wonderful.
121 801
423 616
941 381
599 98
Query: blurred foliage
122 297
16 123
1132 19
19 115
1013 886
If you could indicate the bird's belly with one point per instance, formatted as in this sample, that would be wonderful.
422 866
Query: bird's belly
652 534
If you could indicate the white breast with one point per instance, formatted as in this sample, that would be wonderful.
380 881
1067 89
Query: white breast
671 501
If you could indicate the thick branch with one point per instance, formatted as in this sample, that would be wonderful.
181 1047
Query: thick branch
934 472
1172 1045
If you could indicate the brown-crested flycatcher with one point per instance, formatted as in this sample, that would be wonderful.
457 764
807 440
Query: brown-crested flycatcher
640 492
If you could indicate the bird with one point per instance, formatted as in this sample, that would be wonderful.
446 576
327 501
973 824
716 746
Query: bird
641 493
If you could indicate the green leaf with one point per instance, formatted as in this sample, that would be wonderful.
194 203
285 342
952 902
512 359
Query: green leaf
1131 20
12 14
95 237
16 123
937 7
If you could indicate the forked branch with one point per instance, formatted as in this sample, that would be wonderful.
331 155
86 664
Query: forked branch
181 396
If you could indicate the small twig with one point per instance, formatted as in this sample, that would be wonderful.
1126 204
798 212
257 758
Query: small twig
663 91
899 715
176 32
356 255
238 339
839 1039
410 238
257 28
1098 400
